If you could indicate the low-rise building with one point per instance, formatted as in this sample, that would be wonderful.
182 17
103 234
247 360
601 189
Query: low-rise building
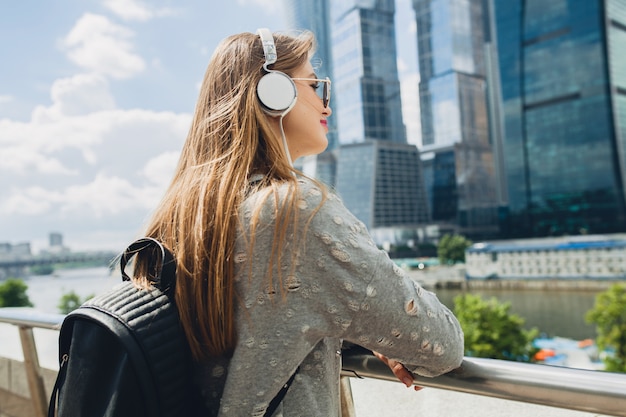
579 257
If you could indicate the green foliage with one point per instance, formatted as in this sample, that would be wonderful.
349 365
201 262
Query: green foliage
609 316
13 294
70 301
491 331
42 269
451 249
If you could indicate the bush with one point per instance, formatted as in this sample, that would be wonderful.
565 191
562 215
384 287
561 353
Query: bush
609 316
71 301
13 294
491 331
451 249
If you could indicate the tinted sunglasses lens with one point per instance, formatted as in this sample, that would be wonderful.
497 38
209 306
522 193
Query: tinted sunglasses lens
326 93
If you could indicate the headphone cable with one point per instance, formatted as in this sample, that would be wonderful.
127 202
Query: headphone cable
285 147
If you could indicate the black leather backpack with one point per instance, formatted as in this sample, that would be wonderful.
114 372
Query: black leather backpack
124 353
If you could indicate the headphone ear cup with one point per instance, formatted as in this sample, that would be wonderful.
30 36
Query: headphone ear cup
276 92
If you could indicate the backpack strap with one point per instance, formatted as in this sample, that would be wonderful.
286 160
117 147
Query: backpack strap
279 397
161 261
52 404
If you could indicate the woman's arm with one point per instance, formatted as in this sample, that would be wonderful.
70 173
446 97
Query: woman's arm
388 312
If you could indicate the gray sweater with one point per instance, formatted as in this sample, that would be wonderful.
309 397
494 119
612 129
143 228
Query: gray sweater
342 288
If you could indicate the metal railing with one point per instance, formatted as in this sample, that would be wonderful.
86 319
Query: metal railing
568 388
26 320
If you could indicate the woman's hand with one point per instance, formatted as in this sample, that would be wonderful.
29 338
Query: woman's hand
399 371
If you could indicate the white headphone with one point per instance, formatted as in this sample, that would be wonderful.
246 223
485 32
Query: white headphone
276 90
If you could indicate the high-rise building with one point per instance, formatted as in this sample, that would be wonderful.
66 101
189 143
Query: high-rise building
457 153
386 176
562 68
365 71
314 15
379 175
55 239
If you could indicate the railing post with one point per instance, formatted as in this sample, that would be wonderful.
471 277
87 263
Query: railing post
33 372
347 402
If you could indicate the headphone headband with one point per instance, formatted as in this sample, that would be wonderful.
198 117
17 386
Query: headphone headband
269 48
276 90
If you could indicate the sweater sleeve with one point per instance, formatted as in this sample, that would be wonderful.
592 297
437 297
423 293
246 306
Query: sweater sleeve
374 303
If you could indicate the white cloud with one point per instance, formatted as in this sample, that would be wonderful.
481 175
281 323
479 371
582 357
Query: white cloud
5 98
135 10
159 170
106 195
31 201
15 160
102 47
103 196
107 183
78 95
80 157
103 137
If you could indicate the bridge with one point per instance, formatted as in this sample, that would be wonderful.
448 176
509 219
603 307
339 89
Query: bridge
17 266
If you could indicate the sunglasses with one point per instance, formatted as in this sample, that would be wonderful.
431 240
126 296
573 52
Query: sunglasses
324 94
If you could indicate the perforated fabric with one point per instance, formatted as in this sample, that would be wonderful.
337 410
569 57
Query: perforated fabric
342 287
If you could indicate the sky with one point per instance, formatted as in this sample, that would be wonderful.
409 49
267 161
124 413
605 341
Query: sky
96 98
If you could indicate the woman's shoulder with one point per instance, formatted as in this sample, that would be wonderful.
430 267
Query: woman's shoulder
309 189
311 198
315 196
303 188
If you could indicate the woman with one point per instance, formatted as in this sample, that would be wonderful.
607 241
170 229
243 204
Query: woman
273 271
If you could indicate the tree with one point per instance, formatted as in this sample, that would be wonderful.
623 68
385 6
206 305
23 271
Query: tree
491 331
451 249
609 316
70 301
13 294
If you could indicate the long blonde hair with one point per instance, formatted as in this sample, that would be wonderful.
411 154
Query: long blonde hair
230 139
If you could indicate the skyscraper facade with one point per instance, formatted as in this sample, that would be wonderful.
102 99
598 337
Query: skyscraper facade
379 175
457 151
365 71
563 84
387 177
314 15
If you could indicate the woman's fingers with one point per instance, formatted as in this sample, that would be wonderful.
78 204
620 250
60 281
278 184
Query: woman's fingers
398 370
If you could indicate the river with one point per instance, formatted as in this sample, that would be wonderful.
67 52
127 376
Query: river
553 313
45 291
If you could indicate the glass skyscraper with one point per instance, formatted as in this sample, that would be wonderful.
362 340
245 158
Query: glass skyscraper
365 70
379 175
562 65
314 15
457 152
387 178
